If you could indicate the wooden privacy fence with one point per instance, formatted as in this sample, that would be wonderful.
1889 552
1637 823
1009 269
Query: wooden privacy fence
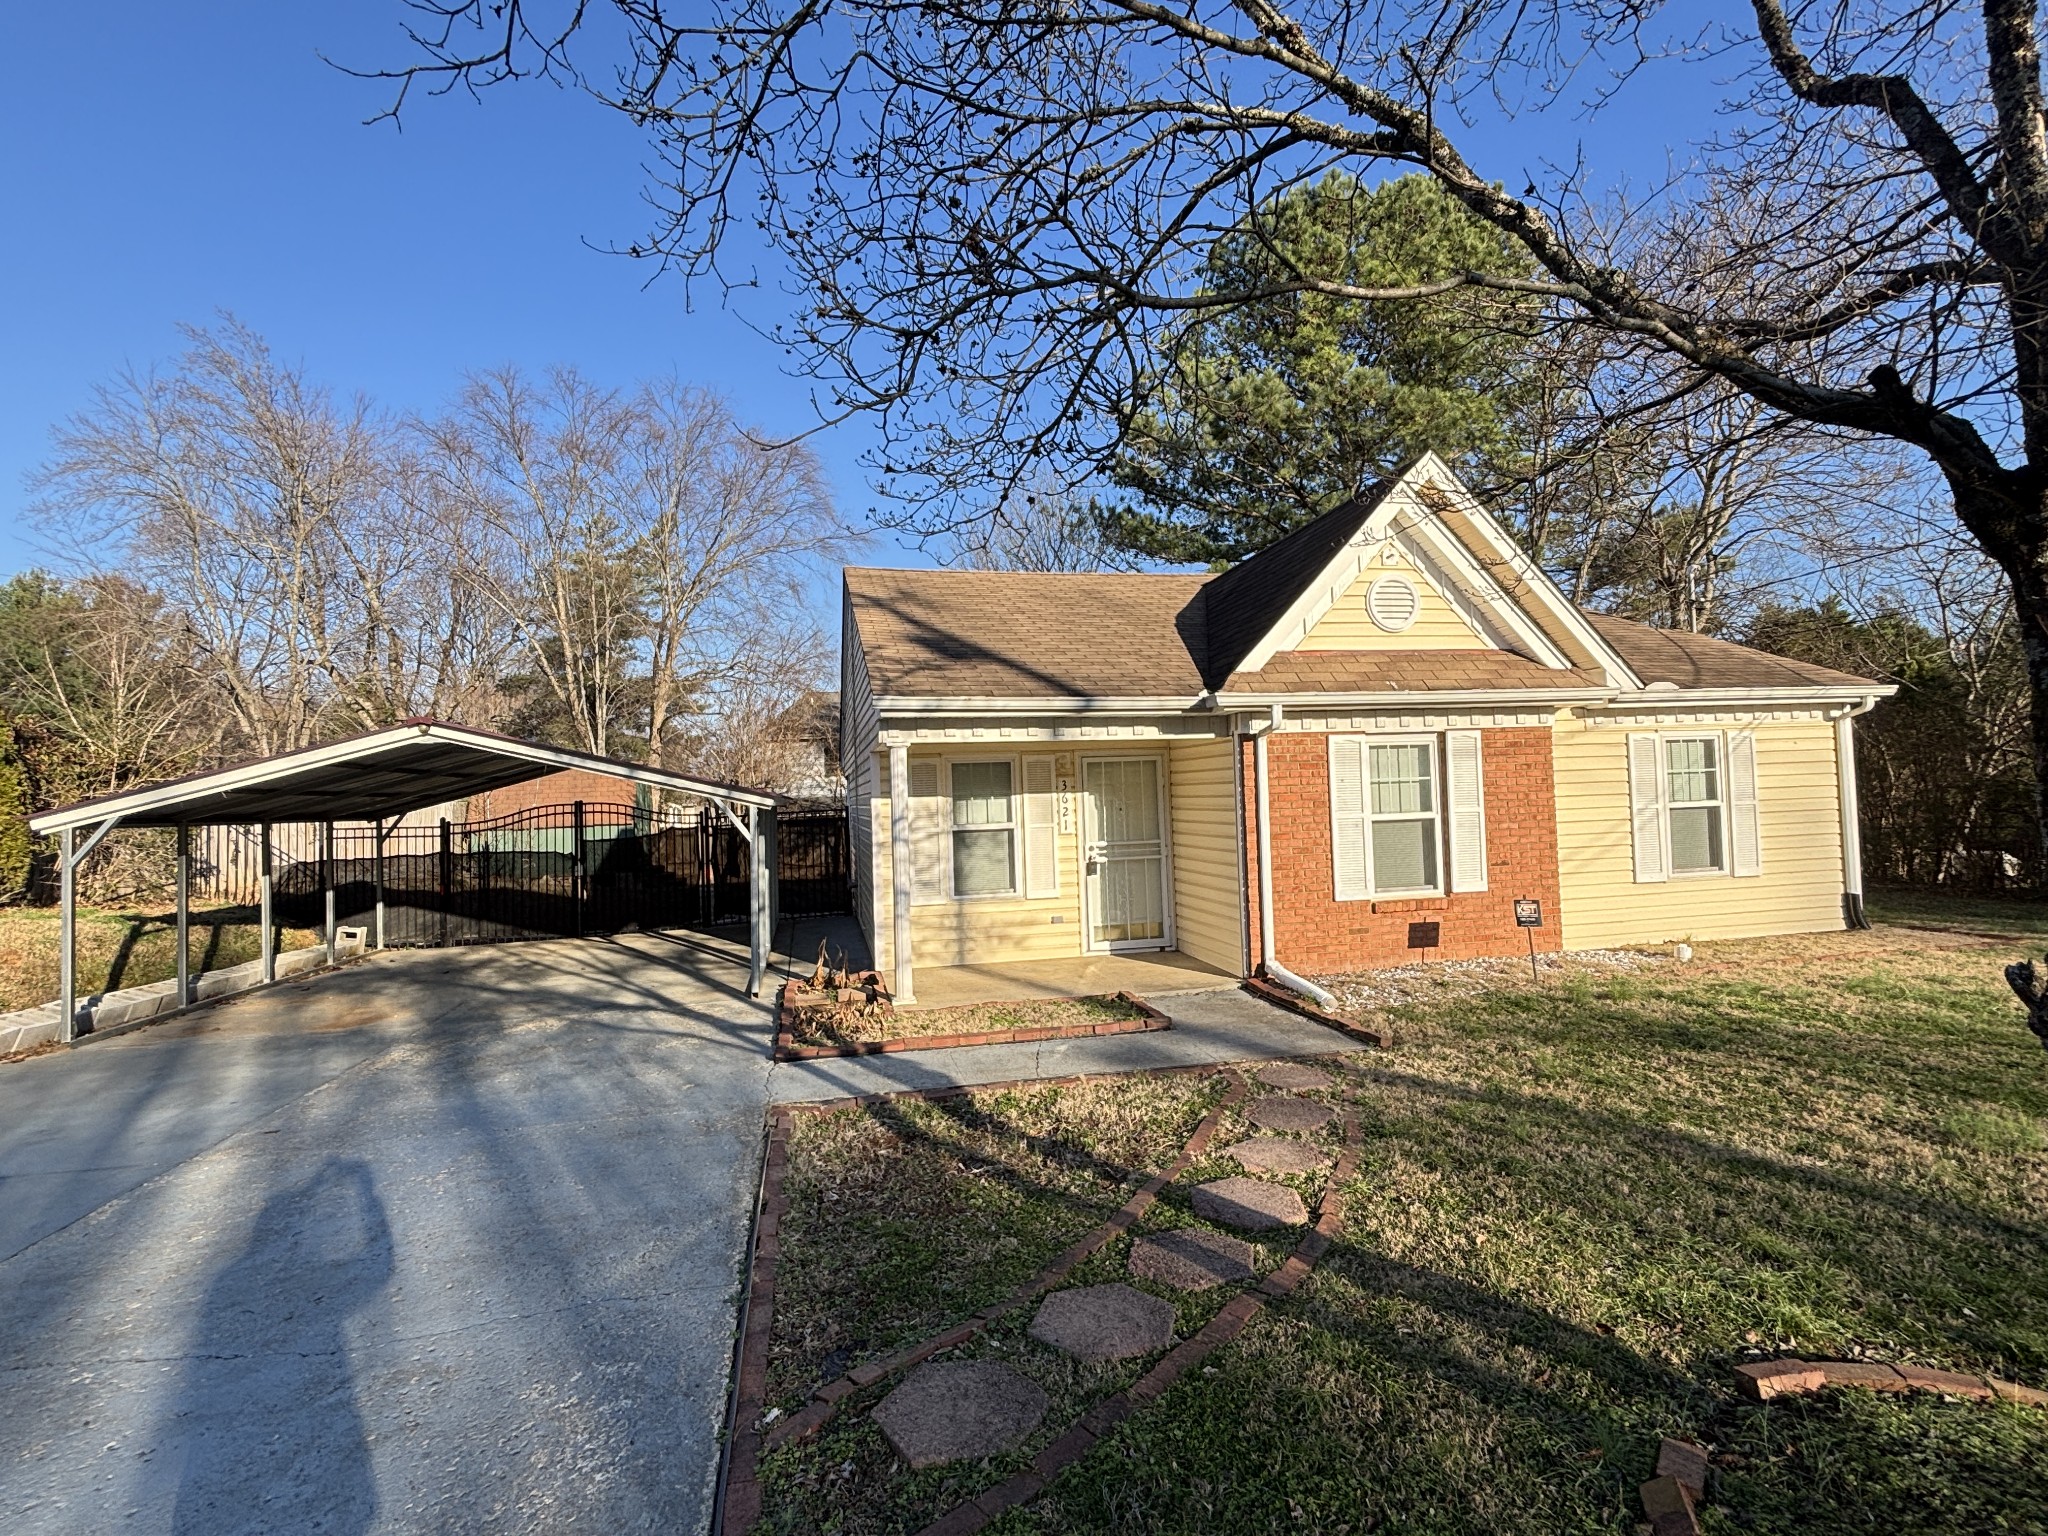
555 871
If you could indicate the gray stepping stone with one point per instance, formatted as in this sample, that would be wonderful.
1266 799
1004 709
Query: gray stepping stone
951 1410
1278 1154
1191 1259
1251 1205
1292 1075
1104 1322
1277 1112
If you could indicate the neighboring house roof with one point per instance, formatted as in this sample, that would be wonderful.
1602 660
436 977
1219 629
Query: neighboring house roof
1021 635
1700 661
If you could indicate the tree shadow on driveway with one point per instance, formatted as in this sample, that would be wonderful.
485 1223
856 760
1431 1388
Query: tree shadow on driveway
271 1349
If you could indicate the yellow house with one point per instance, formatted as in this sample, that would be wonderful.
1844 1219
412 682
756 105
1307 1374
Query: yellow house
1387 735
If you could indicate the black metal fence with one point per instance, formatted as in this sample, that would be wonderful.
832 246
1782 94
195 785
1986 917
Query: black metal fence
562 871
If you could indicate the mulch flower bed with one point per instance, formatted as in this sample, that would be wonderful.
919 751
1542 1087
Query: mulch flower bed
814 1023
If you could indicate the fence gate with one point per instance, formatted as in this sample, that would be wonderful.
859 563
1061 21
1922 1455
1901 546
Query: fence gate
562 871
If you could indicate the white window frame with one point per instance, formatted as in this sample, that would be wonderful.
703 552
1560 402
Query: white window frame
1014 826
1373 892
1720 804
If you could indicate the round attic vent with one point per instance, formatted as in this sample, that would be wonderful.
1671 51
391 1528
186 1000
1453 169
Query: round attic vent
1392 603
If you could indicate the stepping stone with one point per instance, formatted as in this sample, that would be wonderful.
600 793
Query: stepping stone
1278 1154
1104 1322
1277 1112
1191 1259
953 1410
1292 1075
1250 1205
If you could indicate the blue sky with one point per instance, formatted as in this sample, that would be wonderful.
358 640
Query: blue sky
166 162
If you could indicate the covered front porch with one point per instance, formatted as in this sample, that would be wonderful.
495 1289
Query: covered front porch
1148 975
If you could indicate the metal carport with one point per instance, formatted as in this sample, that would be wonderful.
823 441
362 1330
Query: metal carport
368 778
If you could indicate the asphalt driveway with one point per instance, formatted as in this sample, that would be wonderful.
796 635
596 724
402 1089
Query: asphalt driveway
447 1242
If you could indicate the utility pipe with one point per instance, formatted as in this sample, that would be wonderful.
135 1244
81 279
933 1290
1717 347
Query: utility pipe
1273 967
1852 819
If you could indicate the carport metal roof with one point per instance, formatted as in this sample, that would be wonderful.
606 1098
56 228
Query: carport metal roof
365 778
372 777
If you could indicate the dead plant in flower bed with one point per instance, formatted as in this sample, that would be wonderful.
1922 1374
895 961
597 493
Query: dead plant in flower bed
1581 1206
856 1027
835 1002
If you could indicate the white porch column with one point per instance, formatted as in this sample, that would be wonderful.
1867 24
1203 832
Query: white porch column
184 916
899 868
67 949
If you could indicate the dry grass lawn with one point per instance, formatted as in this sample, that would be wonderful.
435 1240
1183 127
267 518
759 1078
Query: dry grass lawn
121 949
1583 1202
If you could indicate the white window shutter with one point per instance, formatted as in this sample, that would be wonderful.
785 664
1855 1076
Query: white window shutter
1646 806
1745 844
931 825
1041 829
1465 799
1347 817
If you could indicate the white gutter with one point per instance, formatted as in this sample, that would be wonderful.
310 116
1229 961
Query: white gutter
1274 968
1045 704
1864 695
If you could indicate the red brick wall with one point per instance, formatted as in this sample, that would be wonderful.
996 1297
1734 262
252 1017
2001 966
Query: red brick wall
1320 934
564 788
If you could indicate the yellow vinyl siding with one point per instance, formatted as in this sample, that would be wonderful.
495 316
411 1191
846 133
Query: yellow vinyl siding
980 930
1207 905
1799 814
1348 627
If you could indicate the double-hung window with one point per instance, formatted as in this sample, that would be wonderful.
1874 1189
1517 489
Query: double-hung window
984 829
1405 813
1401 805
1695 804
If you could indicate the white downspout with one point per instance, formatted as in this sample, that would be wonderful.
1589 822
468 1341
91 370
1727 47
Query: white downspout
1273 967
1852 821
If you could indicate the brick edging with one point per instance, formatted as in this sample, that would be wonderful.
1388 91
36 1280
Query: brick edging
1079 1438
1281 997
1766 1379
824 1403
1149 1020
738 1505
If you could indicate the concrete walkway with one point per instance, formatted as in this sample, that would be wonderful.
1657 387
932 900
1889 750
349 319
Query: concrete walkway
447 1241
1226 1024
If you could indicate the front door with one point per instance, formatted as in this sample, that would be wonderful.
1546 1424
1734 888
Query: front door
1125 829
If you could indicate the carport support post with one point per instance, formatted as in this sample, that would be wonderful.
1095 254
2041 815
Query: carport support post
184 916
761 882
67 924
377 874
263 882
327 883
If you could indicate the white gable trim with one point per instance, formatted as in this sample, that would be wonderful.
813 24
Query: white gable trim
1457 573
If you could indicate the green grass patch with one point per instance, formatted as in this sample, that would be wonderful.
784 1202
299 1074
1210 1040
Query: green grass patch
1583 1202
122 949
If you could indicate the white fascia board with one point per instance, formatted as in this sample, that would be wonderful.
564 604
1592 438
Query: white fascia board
1439 545
1320 595
1432 470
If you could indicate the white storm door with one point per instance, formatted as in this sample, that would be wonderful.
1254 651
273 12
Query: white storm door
1124 884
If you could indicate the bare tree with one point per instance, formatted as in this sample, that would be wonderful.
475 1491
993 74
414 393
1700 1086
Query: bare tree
271 524
1046 528
993 210
641 546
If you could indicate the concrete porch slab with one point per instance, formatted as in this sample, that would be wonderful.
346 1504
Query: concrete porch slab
1147 974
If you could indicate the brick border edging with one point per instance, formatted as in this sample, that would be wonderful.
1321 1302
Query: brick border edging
1079 1438
1281 997
736 1496
786 1048
1765 1379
